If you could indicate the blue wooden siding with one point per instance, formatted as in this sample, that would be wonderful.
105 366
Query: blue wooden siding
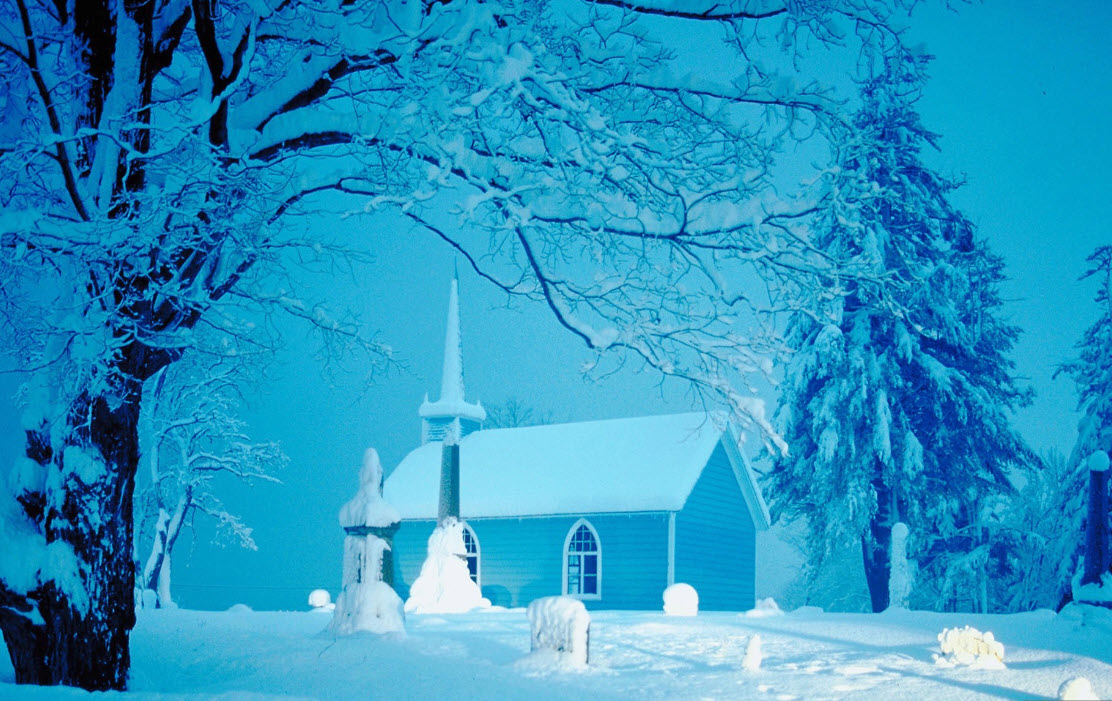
522 559
716 540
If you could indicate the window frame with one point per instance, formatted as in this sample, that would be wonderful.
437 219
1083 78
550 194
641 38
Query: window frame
597 595
478 555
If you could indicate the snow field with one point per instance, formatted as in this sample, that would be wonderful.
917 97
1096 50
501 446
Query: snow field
807 654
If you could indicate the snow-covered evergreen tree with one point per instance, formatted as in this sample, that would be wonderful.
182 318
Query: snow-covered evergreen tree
894 405
1091 371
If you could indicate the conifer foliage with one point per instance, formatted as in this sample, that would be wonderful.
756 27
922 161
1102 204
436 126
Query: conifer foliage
894 403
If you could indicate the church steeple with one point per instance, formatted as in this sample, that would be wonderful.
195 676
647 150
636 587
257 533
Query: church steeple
451 407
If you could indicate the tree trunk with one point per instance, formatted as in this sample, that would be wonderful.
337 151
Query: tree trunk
875 546
88 606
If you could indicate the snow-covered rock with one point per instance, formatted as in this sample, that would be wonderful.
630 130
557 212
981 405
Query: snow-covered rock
1077 689
560 625
970 647
681 600
445 584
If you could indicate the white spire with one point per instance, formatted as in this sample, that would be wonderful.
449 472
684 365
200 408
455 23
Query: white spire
451 404
451 381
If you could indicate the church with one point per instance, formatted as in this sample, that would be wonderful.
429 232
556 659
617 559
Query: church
611 512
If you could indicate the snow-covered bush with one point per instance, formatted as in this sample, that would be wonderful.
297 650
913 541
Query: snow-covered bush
681 600
445 584
560 624
969 646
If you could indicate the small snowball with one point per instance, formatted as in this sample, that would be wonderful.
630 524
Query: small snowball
753 655
681 600
319 598
1077 689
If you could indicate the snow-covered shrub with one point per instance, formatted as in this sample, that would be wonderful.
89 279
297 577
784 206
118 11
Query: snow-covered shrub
320 599
445 584
1077 689
560 624
681 600
969 646
370 606
753 654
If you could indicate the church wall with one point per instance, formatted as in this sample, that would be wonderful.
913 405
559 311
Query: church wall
716 540
522 558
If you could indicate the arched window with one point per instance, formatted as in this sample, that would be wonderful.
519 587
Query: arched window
583 562
471 545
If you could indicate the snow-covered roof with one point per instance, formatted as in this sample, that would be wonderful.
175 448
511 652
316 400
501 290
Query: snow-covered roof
647 463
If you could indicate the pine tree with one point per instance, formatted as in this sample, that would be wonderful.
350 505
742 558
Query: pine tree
1092 373
894 402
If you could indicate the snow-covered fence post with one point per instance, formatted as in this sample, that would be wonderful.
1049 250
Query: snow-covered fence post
368 601
561 624
1096 542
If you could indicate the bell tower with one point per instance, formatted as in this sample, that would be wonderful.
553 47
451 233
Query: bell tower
451 407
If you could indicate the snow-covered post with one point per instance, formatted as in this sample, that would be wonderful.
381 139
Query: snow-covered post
899 572
561 625
367 602
1096 542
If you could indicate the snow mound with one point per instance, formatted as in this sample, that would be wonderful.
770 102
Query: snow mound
445 585
560 630
370 606
681 600
1077 689
969 647
763 609
753 655
320 599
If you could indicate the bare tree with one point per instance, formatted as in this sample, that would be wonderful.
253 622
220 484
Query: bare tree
513 413
153 153
195 436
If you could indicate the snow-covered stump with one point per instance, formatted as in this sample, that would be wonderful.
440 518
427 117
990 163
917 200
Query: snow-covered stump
900 573
560 625
367 602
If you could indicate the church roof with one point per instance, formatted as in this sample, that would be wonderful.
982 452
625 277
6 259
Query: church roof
648 463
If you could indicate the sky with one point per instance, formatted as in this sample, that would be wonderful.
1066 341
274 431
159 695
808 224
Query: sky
1020 92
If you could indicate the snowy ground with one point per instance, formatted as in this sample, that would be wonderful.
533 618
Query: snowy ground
807 654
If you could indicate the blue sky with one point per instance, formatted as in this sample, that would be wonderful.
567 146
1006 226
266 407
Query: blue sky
1021 94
